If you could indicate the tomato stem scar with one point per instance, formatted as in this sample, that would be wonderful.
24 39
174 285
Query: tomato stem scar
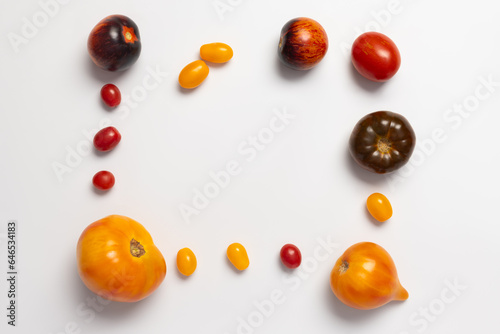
129 35
136 249
344 266
384 145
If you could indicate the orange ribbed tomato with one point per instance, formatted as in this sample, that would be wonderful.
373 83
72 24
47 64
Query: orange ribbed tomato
365 277
118 260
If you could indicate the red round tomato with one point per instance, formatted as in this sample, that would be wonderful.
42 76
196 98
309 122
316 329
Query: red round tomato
107 139
111 95
290 256
103 180
375 56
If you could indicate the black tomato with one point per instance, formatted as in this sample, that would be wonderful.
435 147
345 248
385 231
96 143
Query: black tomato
114 44
382 142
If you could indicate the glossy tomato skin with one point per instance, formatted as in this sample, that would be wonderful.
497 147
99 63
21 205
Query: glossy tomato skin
382 142
193 74
379 207
237 255
110 95
186 261
365 277
107 139
303 43
118 260
114 44
103 180
375 56
216 52
290 256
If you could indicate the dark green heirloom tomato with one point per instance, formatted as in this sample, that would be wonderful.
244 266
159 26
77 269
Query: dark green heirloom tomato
382 142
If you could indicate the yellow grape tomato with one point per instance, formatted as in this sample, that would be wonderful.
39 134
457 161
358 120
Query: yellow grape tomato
186 261
238 256
216 52
379 207
193 74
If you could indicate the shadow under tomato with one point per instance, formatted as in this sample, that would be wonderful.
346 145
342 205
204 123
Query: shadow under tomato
103 76
99 192
361 81
360 173
186 91
288 73
105 106
352 315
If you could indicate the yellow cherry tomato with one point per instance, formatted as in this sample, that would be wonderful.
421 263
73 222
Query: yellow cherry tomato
186 262
238 256
193 74
216 52
379 207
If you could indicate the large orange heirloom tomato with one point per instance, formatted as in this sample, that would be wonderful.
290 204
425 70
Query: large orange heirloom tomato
365 277
118 260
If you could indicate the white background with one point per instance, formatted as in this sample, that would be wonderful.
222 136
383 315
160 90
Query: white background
301 187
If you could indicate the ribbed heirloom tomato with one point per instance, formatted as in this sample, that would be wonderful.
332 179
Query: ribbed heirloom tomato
118 260
365 277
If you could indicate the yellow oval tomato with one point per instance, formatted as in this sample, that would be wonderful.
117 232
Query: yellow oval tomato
193 74
186 261
118 260
379 207
365 277
238 256
216 52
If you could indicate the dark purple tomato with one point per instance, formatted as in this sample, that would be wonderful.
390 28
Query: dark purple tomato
290 256
107 139
103 180
382 142
114 44
303 43
111 95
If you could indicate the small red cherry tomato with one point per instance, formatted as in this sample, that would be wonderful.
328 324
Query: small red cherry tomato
290 256
111 95
103 180
107 139
375 56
